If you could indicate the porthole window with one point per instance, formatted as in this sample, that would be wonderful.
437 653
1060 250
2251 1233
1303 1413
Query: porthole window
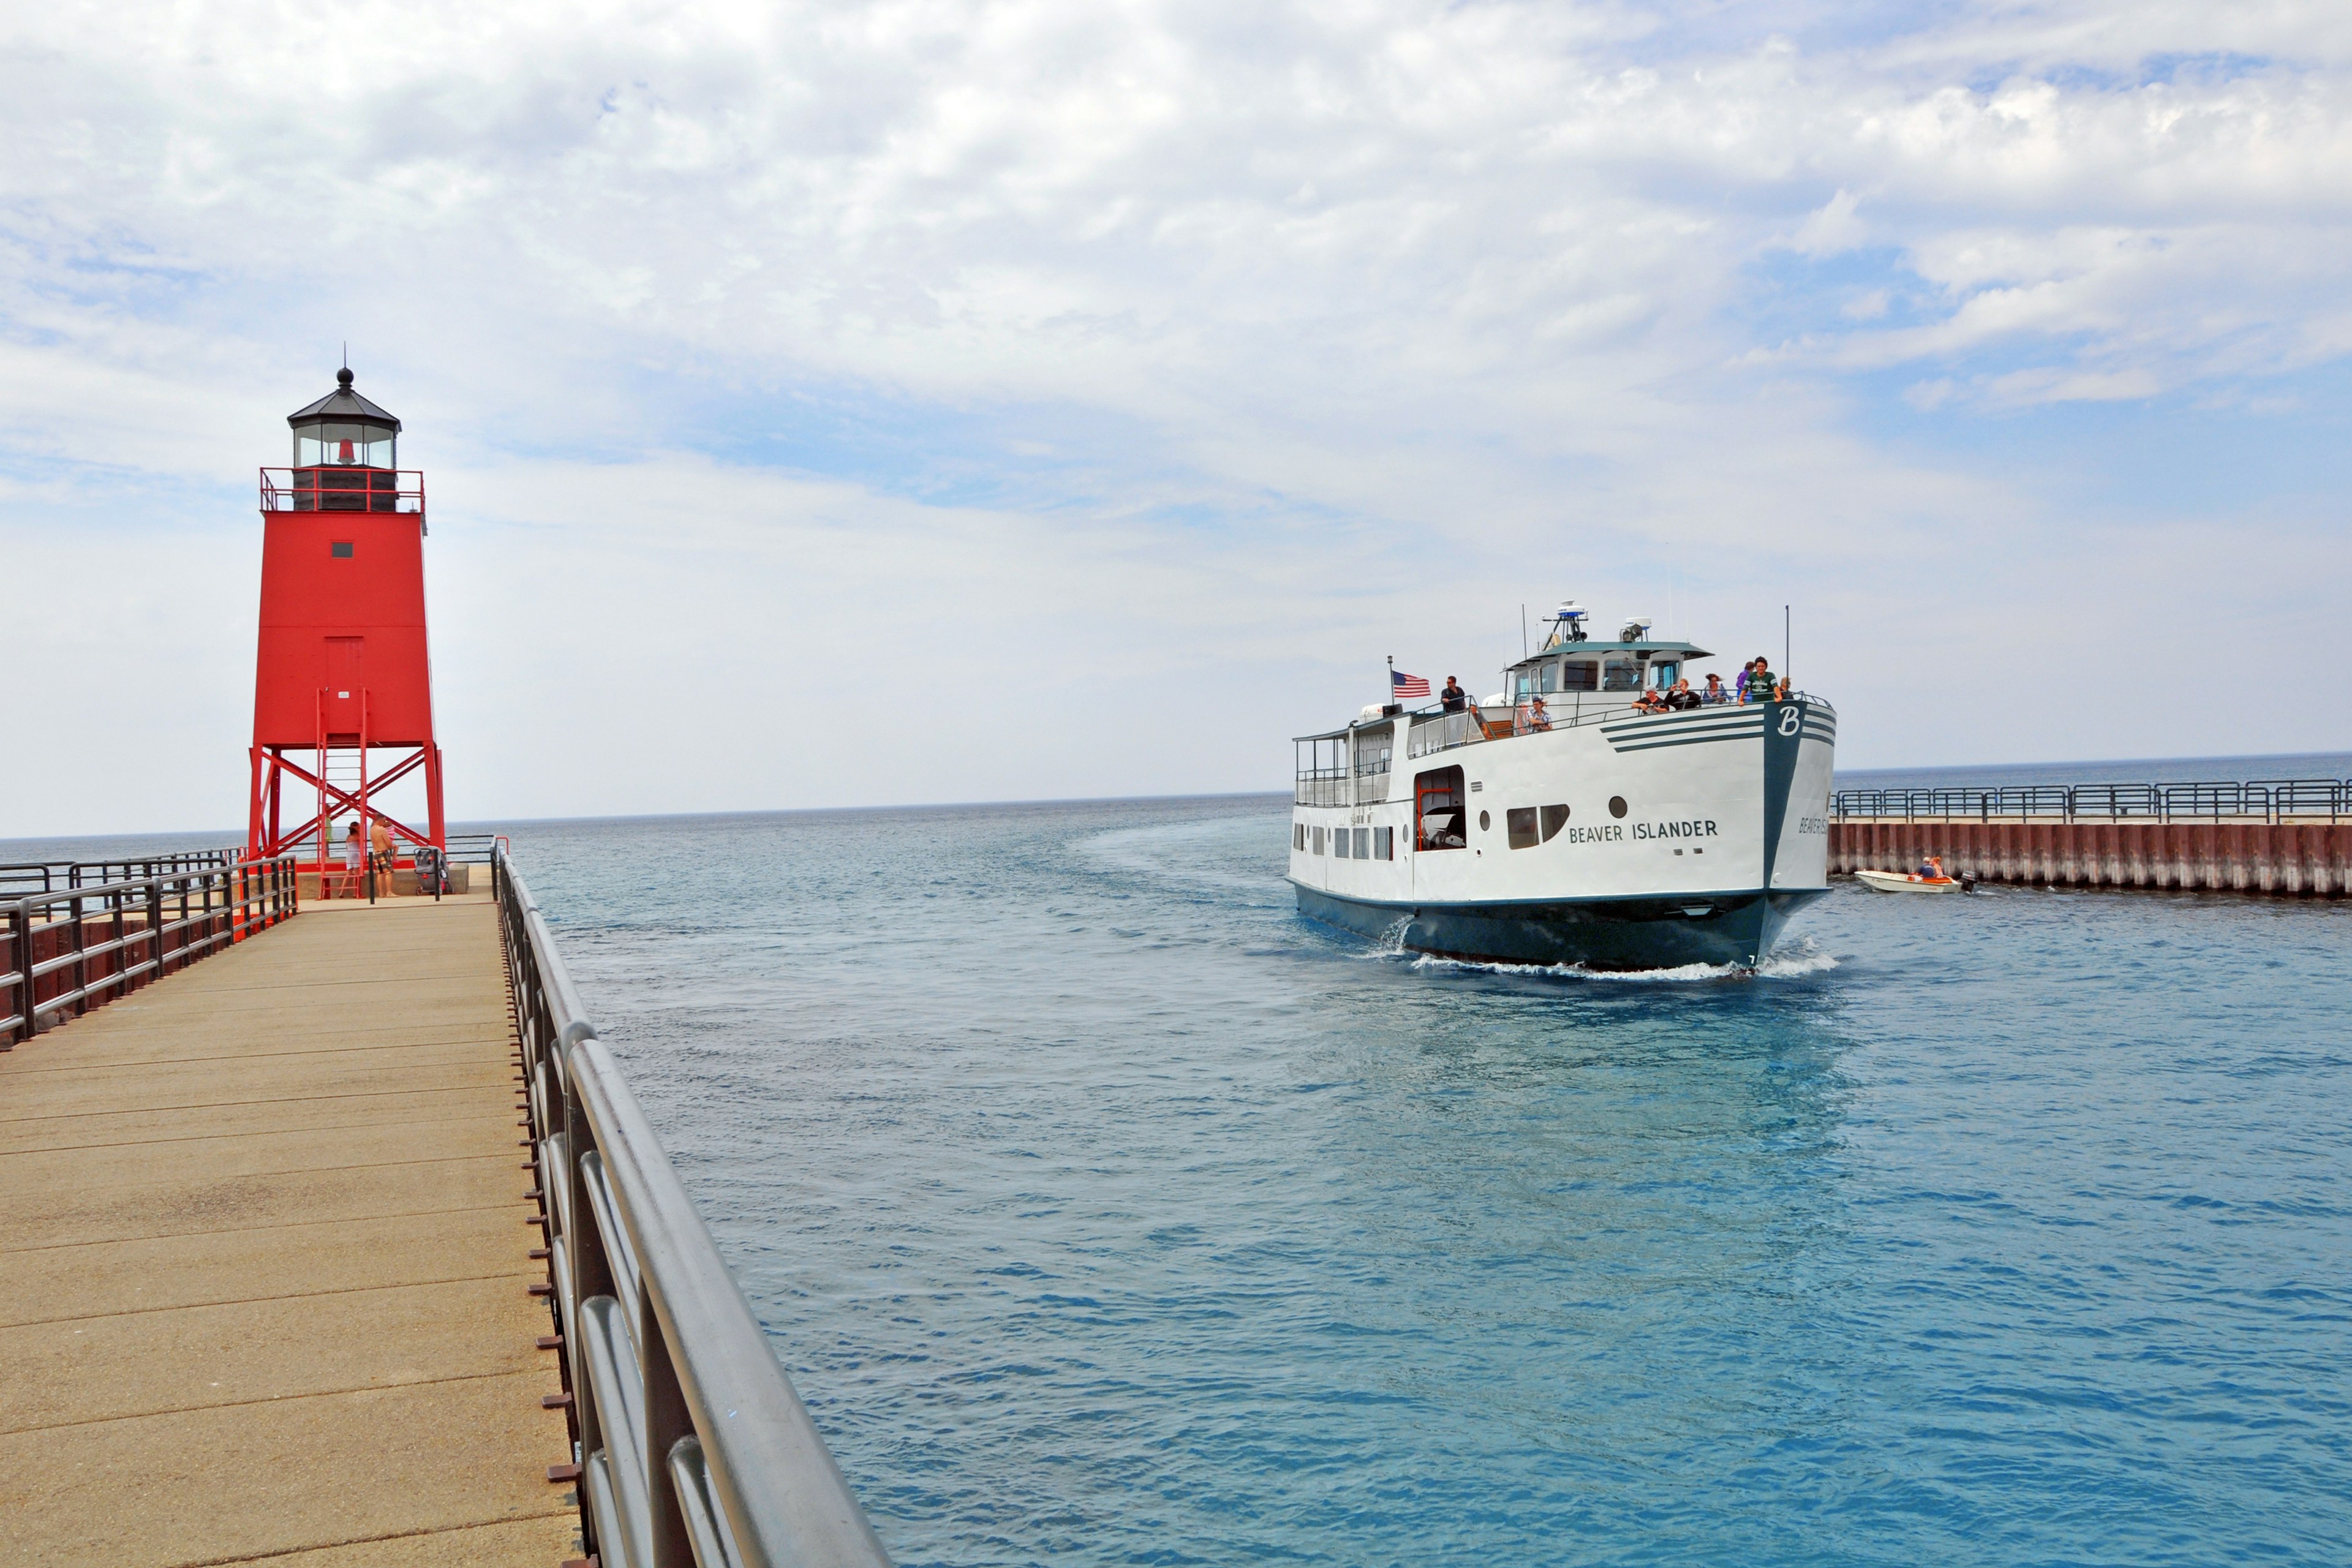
1485 821
1616 806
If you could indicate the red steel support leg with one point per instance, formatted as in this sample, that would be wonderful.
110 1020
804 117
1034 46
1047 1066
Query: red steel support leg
257 800
276 845
436 827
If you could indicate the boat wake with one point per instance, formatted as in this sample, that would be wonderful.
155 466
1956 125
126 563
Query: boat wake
1800 960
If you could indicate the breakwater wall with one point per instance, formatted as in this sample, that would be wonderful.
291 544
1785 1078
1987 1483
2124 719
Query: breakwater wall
2284 837
2285 859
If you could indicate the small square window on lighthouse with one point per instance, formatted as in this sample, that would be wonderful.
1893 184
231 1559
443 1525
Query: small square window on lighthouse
343 549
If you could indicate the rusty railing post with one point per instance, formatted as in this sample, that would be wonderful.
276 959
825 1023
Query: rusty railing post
20 930
80 964
155 928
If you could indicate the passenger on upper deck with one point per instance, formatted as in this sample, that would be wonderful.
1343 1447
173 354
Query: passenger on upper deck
1758 686
1452 697
1715 691
1537 716
1649 702
1682 696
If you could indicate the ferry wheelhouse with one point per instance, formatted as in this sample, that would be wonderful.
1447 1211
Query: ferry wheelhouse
1557 823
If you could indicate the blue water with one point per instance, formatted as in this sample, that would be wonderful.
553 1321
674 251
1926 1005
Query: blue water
1106 1212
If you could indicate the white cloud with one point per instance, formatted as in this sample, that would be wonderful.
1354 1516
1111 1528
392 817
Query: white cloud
1834 228
1310 329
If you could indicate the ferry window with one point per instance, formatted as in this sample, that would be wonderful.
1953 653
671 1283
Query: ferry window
1555 817
1363 843
1521 822
1339 842
1579 675
1383 843
1616 806
340 550
1438 804
1319 841
1486 823
1547 678
1663 675
1299 836
1620 675
1523 683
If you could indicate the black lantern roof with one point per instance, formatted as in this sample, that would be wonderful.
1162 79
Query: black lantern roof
343 406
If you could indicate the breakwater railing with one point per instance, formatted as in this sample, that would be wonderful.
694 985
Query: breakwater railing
22 877
689 1444
2259 800
66 949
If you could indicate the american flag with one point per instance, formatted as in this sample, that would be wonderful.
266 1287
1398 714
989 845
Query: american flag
1402 686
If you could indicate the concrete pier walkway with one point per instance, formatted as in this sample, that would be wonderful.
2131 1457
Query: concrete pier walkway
263 1262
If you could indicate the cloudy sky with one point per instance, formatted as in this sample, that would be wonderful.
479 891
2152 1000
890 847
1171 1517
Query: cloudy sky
930 401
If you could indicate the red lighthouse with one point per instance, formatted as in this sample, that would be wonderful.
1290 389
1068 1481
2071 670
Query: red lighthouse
342 680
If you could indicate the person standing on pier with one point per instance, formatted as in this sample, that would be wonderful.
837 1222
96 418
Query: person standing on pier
380 842
355 851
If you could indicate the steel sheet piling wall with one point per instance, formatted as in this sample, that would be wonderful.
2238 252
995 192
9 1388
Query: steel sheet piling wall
2277 860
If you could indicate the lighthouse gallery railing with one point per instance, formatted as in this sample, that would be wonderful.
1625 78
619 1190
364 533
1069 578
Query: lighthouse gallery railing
691 1446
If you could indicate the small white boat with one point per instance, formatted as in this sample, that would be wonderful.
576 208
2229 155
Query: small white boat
1901 882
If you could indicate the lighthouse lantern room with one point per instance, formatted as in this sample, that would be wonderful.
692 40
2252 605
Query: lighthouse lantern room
342 704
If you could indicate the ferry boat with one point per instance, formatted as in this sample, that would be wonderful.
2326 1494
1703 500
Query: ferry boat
1556 823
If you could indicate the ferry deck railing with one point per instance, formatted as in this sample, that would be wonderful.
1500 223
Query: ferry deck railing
2254 800
690 1446
103 939
1431 730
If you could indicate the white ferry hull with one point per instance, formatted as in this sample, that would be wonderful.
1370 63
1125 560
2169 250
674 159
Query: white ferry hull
1687 838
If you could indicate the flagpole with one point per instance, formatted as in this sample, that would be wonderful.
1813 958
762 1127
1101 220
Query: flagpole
1392 696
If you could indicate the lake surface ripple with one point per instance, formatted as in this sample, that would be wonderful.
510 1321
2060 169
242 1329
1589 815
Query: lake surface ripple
1105 1211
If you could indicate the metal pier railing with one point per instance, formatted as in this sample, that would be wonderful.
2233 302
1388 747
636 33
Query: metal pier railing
2257 800
78 940
690 1446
